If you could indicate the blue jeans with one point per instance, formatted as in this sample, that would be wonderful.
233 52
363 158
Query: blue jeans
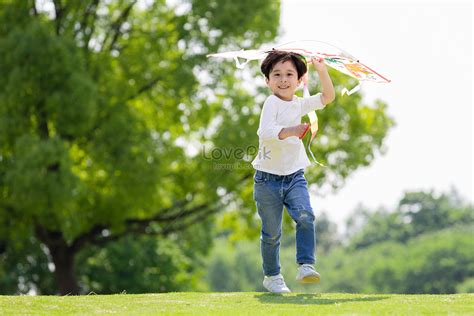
271 193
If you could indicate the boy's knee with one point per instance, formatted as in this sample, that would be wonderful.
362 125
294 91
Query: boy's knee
271 238
305 217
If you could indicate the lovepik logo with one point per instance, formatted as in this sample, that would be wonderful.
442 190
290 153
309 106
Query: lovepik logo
238 153
264 154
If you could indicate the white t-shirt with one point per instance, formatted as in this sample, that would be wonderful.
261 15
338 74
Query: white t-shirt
283 156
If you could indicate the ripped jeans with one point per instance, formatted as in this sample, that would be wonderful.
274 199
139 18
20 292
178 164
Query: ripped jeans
271 193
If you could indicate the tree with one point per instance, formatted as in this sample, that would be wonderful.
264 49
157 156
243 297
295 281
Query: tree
431 263
422 246
417 213
95 98
108 109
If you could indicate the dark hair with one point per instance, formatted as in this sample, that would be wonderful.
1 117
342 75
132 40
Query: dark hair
275 56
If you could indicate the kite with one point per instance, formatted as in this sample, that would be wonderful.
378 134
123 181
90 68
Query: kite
333 57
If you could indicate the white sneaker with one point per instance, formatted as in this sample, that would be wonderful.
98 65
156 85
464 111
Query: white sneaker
275 284
307 274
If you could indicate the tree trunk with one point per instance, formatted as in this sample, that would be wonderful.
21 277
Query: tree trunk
63 259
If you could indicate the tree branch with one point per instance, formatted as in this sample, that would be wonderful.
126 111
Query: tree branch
93 235
144 88
117 25
197 219
52 239
33 6
140 226
91 9
58 9
164 232
89 236
43 128
159 217
136 226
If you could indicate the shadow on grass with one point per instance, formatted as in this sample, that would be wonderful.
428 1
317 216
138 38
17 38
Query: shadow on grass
311 299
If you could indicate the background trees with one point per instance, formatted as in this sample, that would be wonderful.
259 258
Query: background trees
383 255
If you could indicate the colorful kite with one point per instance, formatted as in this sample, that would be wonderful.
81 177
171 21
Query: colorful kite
333 56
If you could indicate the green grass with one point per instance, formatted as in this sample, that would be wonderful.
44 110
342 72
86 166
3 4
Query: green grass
239 304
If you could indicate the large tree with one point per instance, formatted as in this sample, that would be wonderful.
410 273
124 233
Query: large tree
110 112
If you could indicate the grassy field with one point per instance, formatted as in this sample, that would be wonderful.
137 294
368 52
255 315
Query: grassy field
239 304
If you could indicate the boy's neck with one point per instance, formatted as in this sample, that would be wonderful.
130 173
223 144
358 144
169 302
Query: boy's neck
291 99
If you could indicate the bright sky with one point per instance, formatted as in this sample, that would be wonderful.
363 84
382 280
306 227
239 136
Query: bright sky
426 50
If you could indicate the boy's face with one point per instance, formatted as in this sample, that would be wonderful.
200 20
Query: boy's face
283 80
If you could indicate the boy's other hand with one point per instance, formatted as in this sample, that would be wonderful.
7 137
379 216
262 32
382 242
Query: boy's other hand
300 130
297 130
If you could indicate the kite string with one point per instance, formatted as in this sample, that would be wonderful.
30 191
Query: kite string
312 155
306 94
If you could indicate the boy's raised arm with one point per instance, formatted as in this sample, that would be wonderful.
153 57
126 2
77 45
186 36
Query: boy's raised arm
327 89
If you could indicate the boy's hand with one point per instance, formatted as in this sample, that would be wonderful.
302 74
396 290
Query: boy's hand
297 130
318 63
306 129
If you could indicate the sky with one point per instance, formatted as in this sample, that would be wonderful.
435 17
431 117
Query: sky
426 50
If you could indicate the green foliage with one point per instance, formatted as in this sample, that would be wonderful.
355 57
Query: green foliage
466 287
138 264
47 81
210 18
417 213
431 263
234 268
24 267
133 264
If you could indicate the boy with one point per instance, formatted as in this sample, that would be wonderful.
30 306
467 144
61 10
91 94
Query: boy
279 178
